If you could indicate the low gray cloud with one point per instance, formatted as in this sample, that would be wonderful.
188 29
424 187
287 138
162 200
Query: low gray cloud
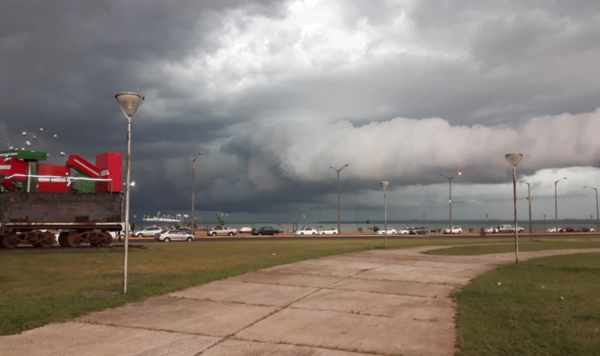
275 92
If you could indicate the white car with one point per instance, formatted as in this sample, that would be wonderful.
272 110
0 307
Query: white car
328 231
455 230
491 230
148 231
552 229
404 231
389 231
174 235
306 231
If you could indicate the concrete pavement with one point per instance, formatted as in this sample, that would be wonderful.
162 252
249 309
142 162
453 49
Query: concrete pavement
382 302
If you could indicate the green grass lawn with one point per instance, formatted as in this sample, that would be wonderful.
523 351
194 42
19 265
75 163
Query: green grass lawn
536 245
44 287
543 306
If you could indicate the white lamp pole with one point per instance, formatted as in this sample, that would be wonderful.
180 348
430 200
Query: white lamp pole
338 176
450 195
129 103
597 217
193 191
556 204
384 185
529 199
514 159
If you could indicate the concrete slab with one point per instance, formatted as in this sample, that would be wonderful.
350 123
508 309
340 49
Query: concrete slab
391 305
354 332
248 293
183 315
74 339
395 287
288 279
416 276
340 263
316 270
250 348
452 266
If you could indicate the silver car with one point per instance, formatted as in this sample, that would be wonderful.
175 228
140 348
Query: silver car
149 231
174 235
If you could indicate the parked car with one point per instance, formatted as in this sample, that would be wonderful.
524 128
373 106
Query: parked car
455 230
148 231
389 231
552 229
404 231
587 229
306 231
223 231
421 230
491 230
505 228
174 235
328 231
567 229
265 230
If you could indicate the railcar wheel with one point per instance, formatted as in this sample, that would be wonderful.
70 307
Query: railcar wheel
107 240
73 239
10 240
47 241
62 239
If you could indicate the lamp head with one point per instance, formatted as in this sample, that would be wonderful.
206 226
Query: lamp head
385 184
129 102
514 159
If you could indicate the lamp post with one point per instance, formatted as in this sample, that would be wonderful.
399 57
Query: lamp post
450 194
193 190
597 217
514 159
529 199
129 103
384 185
338 174
556 205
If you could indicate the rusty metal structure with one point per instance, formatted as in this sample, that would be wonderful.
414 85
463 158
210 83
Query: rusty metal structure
86 217
33 208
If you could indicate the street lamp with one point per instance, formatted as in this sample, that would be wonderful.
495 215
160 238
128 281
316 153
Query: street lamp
556 205
193 190
338 174
384 185
129 103
597 217
450 194
514 159
529 199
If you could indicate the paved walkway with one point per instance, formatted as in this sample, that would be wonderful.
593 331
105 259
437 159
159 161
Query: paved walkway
382 302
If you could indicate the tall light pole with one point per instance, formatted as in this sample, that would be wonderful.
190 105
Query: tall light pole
338 174
129 103
384 185
194 190
450 194
514 159
597 217
556 205
529 199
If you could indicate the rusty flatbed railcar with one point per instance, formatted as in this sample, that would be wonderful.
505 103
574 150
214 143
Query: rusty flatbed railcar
87 217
